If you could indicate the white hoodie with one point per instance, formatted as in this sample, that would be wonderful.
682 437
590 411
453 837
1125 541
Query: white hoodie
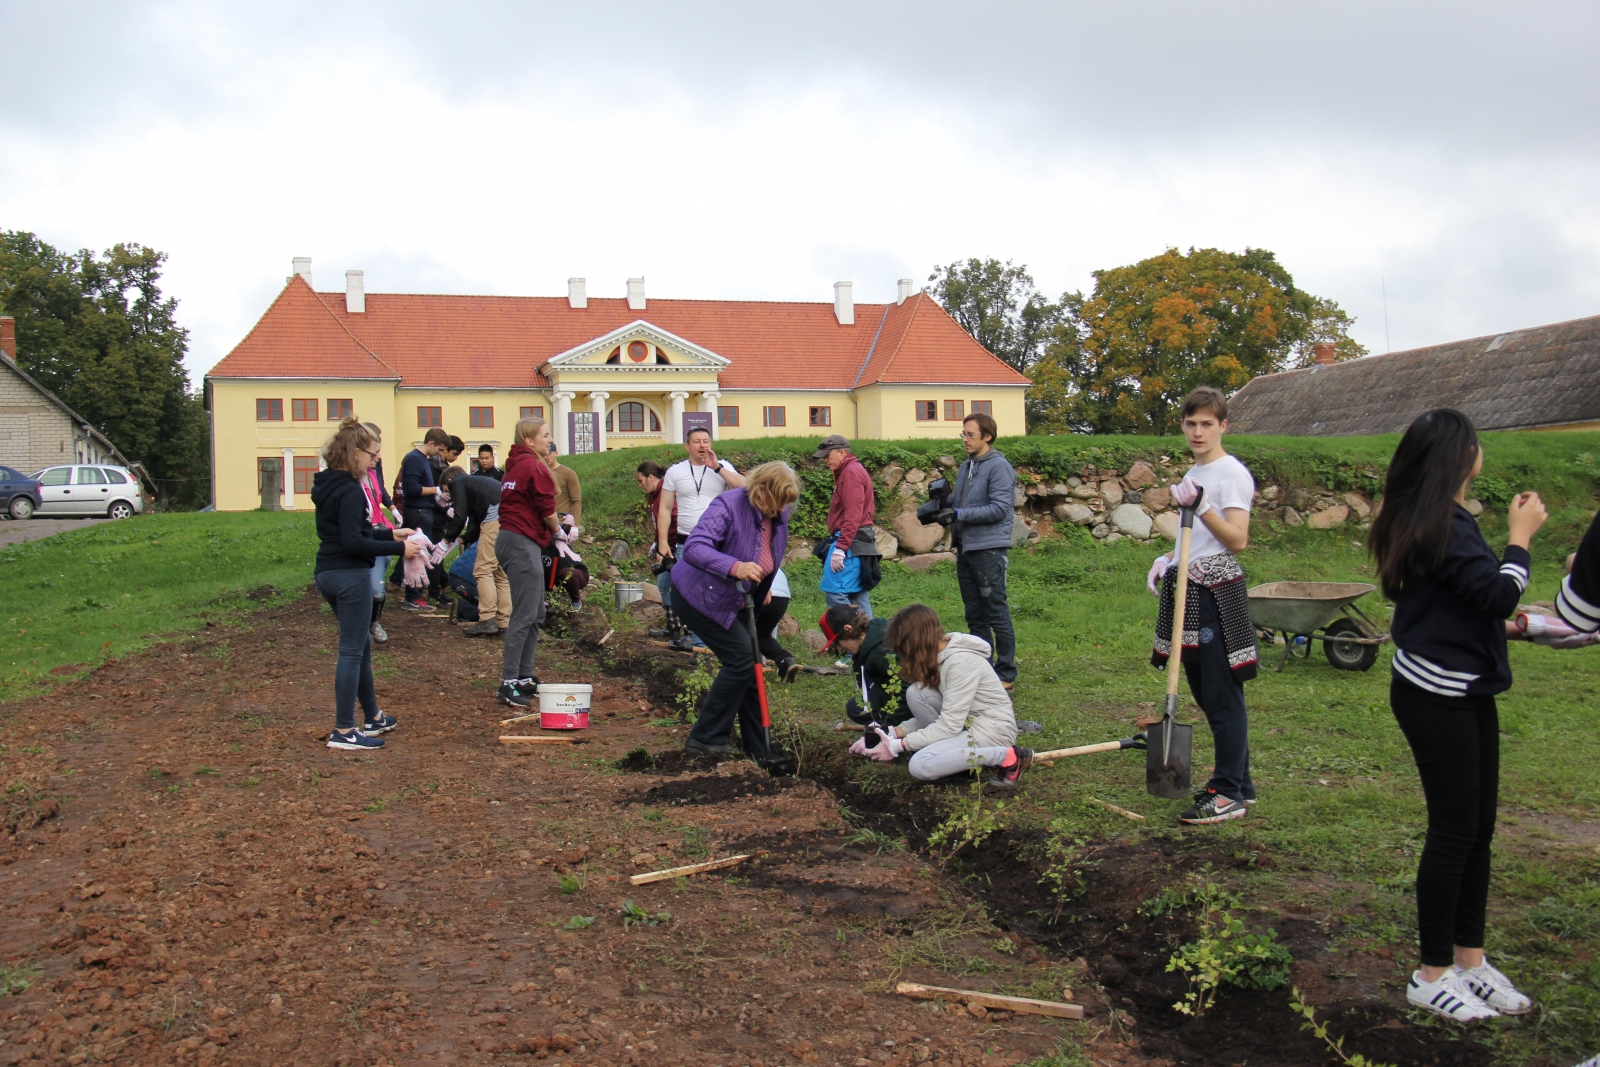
973 698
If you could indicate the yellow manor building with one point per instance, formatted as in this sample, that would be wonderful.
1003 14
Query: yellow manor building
474 365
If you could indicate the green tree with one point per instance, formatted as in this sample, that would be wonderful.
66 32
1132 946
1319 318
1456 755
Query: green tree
999 305
97 331
1122 359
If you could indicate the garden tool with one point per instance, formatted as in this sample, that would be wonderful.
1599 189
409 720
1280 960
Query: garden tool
1167 759
1136 741
774 766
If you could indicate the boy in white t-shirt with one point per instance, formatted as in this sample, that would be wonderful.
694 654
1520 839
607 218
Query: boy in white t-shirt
1219 641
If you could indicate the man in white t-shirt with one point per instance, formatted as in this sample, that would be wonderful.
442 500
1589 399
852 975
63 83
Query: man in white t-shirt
1219 650
690 485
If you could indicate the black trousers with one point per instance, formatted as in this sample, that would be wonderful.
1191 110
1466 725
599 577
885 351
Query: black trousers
733 694
1221 696
1456 743
767 618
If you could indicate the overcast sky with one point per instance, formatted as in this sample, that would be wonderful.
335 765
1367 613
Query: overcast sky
1446 153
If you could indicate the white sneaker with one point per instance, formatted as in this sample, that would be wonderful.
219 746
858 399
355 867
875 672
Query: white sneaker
1449 997
379 634
1495 989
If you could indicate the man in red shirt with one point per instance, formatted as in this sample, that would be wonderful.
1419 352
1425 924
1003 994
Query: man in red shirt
527 525
850 511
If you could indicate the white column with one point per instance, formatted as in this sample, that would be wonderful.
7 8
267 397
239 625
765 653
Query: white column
597 404
288 479
674 433
560 404
708 402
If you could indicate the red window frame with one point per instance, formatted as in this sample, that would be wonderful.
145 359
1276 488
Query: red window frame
429 417
305 469
981 407
955 410
774 416
339 410
535 412
728 416
927 411
269 410
480 418
822 416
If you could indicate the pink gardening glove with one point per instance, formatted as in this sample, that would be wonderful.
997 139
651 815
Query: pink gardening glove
1158 571
1553 632
888 747
860 747
836 560
1186 492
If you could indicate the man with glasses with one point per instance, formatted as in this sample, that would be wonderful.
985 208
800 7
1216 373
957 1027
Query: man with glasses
984 503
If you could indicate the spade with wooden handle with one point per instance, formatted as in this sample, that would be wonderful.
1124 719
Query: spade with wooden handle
1167 759
1136 741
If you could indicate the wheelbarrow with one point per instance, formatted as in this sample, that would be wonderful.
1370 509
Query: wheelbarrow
1299 610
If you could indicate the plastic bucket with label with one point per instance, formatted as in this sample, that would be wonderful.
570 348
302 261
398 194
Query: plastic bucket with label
564 707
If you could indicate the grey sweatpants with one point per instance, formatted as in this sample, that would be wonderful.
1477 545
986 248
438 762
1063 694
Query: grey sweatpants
953 755
523 563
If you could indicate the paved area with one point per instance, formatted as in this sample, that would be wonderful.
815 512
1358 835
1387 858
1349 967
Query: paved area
14 532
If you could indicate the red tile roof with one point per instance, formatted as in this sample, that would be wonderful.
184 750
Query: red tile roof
499 342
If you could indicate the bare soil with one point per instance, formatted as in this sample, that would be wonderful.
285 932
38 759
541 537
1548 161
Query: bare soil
190 876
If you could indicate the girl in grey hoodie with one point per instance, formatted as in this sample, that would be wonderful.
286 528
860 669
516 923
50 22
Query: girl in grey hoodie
962 714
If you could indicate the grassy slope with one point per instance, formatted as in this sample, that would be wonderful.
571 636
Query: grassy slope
1084 625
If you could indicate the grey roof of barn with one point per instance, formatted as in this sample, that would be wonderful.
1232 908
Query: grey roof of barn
1544 376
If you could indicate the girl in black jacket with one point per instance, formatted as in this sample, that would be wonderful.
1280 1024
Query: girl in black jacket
1452 596
348 546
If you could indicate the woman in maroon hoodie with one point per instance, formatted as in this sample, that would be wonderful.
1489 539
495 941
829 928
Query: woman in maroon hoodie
527 524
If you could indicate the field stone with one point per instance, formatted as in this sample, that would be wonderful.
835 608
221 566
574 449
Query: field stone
914 536
1328 518
813 640
916 476
620 551
788 626
1358 504
1021 532
1076 514
1112 538
611 573
797 551
1291 517
1061 489
923 562
1474 507
1140 475
1133 496
647 612
1131 520
652 593
1156 499
888 543
1101 531
947 461
891 475
1167 524
1084 492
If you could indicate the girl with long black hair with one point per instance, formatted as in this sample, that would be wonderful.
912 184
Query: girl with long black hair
1452 595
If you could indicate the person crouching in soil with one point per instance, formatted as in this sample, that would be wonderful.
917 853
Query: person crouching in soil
735 547
348 545
866 641
527 528
963 713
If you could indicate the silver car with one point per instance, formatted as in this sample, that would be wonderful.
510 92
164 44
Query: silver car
88 489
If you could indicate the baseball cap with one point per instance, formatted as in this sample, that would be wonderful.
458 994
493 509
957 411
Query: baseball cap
829 443
833 623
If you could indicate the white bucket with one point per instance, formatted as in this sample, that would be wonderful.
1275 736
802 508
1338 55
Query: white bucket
564 707
627 592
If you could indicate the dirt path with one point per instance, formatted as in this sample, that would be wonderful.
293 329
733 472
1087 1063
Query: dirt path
198 880
13 532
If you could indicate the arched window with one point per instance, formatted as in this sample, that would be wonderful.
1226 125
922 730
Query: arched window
630 417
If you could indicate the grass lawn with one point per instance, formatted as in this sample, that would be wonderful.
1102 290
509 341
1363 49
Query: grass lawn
74 600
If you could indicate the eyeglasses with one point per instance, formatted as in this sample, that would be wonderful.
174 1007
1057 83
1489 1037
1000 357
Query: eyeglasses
374 455
970 436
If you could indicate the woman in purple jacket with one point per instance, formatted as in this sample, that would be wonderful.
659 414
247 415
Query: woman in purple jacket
737 545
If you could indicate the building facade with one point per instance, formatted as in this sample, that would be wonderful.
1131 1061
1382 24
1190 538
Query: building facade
474 365
36 428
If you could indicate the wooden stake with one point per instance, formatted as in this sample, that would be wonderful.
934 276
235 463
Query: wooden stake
520 739
693 868
519 718
602 642
1124 812
991 1000
844 727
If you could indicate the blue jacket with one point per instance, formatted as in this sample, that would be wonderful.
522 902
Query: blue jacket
985 500
416 474
729 532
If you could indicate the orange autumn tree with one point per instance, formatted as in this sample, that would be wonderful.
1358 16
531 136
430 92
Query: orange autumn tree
1122 360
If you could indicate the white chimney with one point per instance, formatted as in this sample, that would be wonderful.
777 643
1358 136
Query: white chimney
636 294
355 292
844 303
905 291
302 267
577 293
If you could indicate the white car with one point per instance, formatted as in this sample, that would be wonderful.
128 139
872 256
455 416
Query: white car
84 489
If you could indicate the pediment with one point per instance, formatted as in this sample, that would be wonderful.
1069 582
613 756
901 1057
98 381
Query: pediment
662 349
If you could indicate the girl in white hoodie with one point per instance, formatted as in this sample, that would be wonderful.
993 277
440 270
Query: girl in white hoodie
962 714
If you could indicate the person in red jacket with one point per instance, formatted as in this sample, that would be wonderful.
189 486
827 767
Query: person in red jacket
850 511
527 528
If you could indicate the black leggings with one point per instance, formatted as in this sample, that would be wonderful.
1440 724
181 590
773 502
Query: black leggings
767 619
1456 743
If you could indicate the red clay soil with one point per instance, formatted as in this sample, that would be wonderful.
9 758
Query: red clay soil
190 876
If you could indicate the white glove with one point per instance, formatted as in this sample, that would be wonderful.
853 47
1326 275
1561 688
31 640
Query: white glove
1158 571
440 551
399 520
836 560
1553 632
888 747
860 747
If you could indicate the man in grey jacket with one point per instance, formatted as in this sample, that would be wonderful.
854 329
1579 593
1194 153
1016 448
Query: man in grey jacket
984 503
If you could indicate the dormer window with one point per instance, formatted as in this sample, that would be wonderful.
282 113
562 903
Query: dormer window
638 352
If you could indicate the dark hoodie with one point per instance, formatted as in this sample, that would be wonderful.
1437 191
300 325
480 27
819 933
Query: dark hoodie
347 540
527 495
872 658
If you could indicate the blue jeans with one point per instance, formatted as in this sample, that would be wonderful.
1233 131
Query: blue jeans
982 574
349 594
379 566
859 600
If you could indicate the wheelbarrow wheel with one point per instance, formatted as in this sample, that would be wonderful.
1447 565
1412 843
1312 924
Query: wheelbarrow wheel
1348 655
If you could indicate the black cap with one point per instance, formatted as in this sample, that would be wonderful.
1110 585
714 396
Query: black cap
829 443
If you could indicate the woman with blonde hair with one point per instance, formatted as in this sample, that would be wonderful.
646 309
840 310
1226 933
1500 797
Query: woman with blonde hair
963 715
527 527
349 547
735 548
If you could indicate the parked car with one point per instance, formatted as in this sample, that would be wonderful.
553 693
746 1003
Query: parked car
19 494
85 489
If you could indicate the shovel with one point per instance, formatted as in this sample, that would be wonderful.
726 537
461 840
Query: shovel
1136 741
1167 760
776 767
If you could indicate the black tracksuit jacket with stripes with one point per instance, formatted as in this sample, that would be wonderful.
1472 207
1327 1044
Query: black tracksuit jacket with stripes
1579 600
1449 625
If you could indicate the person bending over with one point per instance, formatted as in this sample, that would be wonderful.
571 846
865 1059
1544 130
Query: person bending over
733 551
963 714
347 546
866 641
1451 595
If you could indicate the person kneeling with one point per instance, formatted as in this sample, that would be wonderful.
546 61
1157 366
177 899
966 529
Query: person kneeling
865 640
963 713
